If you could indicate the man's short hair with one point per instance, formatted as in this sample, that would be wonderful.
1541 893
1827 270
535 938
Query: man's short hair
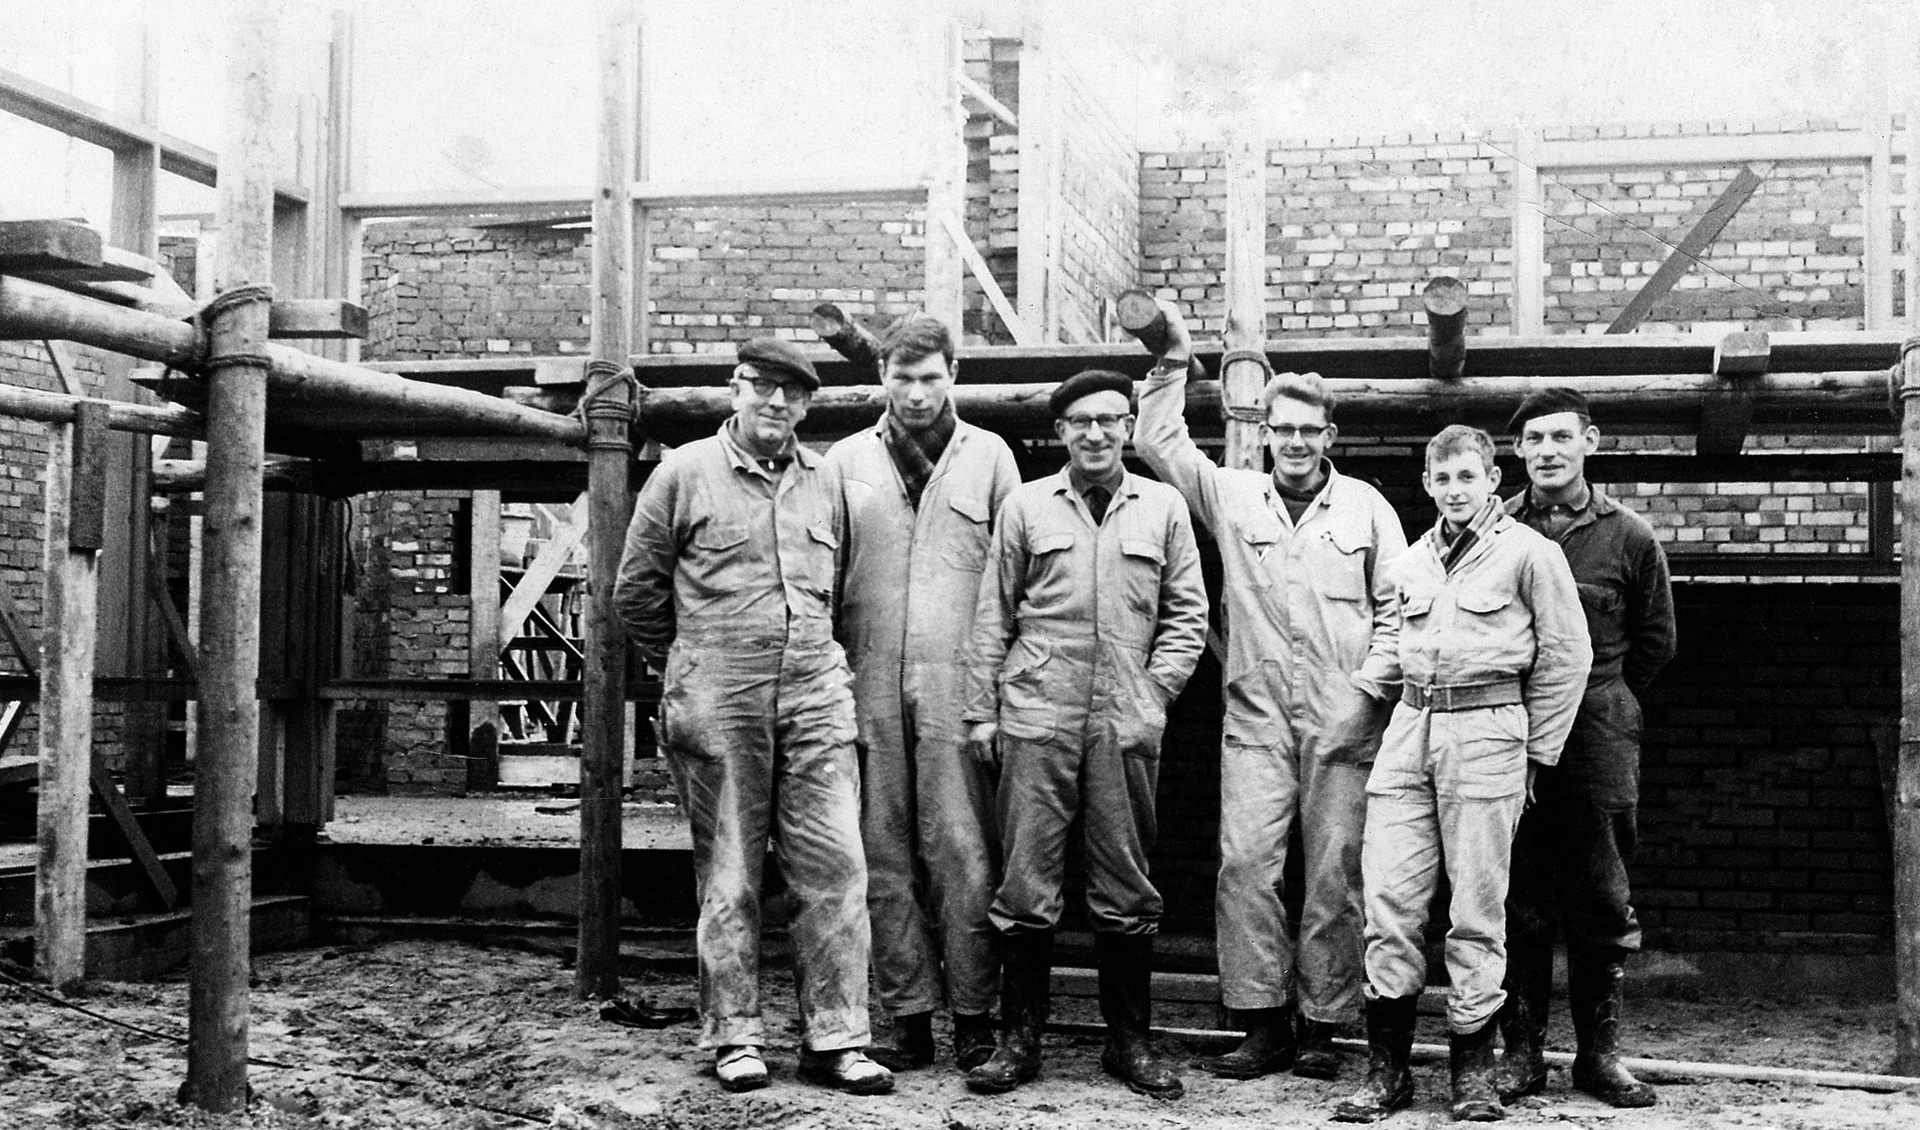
914 337
1455 439
1307 388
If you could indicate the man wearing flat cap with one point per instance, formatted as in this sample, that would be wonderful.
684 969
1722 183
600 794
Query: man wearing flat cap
731 574
1091 617
1571 852
922 488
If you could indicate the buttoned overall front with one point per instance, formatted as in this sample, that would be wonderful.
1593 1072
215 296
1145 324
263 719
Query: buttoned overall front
912 584
733 567
1084 633
1302 600
1449 785
1571 853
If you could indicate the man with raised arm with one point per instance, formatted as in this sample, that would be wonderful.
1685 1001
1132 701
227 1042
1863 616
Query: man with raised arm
731 574
1303 554
1487 653
1091 616
922 487
1571 853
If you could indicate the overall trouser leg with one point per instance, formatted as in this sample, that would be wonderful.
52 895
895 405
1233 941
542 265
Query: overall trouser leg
1481 775
905 970
1329 957
955 802
1259 794
817 836
719 745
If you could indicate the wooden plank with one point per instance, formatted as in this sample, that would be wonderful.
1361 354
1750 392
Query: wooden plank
652 194
1725 421
1038 139
541 573
176 625
1717 149
483 634
987 101
135 213
58 110
1690 248
316 318
69 607
1022 333
945 121
87 488
1877 254
1529 235
1246 280
151 871
1445 301
47 245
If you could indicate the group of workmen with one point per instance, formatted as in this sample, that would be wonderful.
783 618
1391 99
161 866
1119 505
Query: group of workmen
915 675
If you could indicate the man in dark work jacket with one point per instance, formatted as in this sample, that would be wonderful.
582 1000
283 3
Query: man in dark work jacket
1573 846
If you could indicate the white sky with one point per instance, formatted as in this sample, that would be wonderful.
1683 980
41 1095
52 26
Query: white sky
471 93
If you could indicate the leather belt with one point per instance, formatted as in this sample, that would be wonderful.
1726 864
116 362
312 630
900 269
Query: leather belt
1446 699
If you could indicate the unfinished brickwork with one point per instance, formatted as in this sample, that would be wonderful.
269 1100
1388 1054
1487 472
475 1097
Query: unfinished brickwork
1097 253
993 185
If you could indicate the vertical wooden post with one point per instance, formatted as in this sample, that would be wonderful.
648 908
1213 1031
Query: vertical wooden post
1877 259
230 623
483 637
1529 237
68 612
946 169
642 331
1906 807
1033 205
1243 377
608 404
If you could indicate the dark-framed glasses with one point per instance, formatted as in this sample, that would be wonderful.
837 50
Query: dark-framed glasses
1105 421
1295 434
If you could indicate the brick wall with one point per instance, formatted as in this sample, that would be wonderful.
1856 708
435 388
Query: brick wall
444 290
993 185
1761 816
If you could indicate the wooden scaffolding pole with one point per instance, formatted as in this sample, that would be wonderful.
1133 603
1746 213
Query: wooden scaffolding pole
75 483
946 169
608 407
229 718
1906 807
1242 375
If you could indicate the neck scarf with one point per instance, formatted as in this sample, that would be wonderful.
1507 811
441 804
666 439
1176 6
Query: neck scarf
916 453
1474 530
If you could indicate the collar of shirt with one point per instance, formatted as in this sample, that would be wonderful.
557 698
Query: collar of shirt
1066 482
1081 484
1594 502
1322 495
744 460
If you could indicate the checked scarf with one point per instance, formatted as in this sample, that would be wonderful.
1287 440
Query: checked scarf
1489 516
916 453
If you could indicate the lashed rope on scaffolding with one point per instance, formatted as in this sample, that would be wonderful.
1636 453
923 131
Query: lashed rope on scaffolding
222 303
1245 413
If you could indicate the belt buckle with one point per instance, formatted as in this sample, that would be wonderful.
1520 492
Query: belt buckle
1439 698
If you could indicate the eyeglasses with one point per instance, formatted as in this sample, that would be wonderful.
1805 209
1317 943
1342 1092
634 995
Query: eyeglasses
1296 434
765 388
1105 422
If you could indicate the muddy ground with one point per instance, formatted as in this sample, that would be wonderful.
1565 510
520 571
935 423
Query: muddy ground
493 1038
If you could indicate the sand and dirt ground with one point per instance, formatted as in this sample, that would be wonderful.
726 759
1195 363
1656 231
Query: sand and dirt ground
492 1037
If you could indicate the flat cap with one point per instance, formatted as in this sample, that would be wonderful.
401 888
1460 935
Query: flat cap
772 355
1546 402
1085 383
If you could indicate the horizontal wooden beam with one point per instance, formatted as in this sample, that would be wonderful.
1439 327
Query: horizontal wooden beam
1713 149
316 318
59 408
96 125
489 374
988 102
651 194
375 205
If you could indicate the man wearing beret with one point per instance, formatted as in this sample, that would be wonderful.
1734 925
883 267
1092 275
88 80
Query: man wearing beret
1091 616
1571 852
731 575
922 487
1303 554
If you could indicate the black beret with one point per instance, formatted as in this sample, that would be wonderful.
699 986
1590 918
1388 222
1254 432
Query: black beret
1086 383
1546 402
772 355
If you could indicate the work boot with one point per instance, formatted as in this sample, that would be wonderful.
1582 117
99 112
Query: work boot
1470 1055
908 1046
1315 1057
1026 973
1126 1004
1523 1025
1593 996
1267 1048
972 1039
1389 1084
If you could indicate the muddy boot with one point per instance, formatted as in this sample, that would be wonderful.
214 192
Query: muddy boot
973 1041
908 1046
1593 996
1315 1058
1268 1047
1126 1004
1389 1084
1470 1055
1026 973
1523 1025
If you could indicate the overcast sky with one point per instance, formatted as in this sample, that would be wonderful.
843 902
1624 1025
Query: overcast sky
473 93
